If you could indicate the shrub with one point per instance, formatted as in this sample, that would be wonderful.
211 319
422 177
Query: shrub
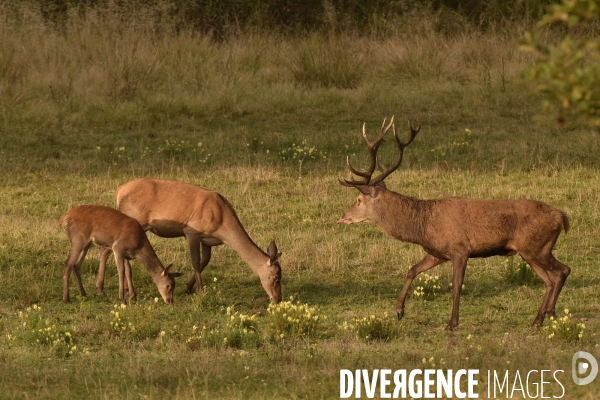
242 321
567 74
287 319
375 328
427 287
564 328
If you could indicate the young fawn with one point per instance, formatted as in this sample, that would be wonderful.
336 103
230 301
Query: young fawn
112 229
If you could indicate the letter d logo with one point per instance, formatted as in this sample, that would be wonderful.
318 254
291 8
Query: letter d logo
580 368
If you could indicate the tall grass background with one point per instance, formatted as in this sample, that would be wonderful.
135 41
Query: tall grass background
117 75
265 111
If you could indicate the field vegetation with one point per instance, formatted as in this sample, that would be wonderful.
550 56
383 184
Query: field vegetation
91 97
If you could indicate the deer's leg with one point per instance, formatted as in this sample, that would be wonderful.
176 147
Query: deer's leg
194 246
77 270
542 270
102 269
559 273
120 261
426 263
128 277
74 261
459 267
198 262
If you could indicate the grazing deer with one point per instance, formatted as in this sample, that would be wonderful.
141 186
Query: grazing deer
116 232
456 229
173 209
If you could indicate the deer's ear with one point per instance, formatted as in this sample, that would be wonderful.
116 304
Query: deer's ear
372 191
172 274
273 253
272 249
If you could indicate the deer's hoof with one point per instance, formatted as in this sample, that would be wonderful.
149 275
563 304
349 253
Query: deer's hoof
450 327
400 314
536 325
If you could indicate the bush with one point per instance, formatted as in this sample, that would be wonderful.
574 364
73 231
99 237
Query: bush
564 328
568 74
427 287
287 319
372 328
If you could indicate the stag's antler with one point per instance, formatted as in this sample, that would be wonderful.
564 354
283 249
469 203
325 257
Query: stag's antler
373 147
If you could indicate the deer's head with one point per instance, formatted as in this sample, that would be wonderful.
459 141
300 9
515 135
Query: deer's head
365 207
165 282
270 276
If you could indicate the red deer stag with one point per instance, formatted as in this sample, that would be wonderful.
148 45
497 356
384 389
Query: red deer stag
116 232
173 209
456 229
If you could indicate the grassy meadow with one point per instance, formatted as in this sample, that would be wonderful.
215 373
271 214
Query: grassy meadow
267 120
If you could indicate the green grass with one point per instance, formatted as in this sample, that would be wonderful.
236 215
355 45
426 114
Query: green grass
85 110
349 273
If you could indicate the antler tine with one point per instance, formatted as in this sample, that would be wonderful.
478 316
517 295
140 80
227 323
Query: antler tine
384 129
401 146
372 147
351 182
366 175
413 134
358 173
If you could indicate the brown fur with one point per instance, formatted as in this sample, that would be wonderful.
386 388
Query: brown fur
456 229
174 209
116 232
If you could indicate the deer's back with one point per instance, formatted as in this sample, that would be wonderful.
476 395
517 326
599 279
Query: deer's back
169 207
103 225
493 227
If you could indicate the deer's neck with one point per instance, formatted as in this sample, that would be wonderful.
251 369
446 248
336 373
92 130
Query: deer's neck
404 218
233 234
148 257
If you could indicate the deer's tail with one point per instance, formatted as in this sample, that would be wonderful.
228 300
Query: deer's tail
565 222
